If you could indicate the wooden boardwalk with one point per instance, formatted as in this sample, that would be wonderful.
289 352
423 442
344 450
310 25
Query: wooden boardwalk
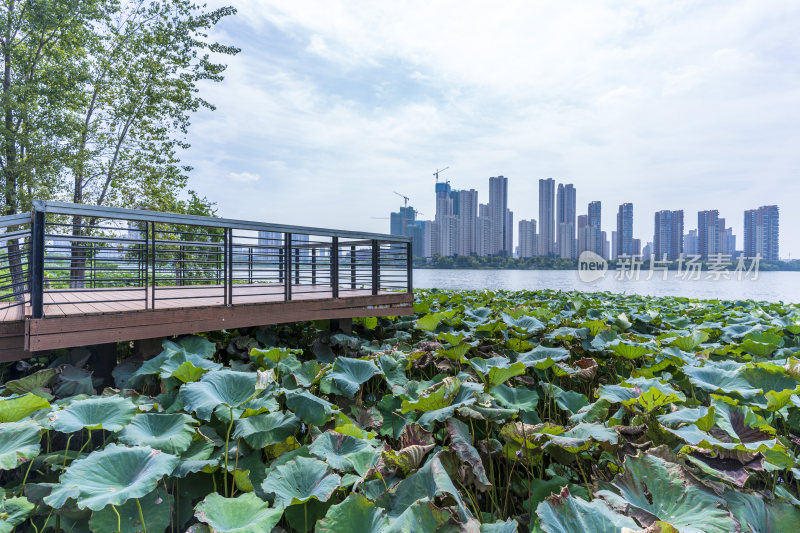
239 270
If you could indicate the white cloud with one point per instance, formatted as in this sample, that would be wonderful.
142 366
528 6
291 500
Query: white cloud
243 177
674 105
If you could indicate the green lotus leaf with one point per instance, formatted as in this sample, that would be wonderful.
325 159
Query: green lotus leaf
722 378
430 481
421 515
593 412
155 509
654 398
72 381
171 433
309 408
754 515
630 350
218 388
197 345
348 374
13 512
455 353
496 370
265 429
34 383
467 395
518 398
356 514
19 443
111 413
509 526
461 442
197 457
246 513
543 357
564 513
430 322
665 491
337 449
526 324
702 417
309 374
578 436
15 408
271 357
187 367
438 396
300 480
689 343
111 476
477 316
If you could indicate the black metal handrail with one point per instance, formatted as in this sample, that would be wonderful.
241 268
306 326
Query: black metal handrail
145 255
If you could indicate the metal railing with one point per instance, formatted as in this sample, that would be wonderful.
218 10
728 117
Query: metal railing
104 259
14 259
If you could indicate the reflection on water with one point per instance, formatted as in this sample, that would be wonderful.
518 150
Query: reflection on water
770 286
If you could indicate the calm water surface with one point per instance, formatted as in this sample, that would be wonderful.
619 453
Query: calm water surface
770 286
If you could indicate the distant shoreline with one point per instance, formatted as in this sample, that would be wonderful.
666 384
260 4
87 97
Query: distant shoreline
548 263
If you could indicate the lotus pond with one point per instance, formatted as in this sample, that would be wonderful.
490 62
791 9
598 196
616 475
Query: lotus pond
485 411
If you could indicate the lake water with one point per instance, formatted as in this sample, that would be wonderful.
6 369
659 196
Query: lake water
769 286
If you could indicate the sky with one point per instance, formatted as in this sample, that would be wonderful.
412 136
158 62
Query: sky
331 107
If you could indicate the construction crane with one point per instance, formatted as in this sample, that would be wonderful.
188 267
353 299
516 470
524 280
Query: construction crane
404 197
437 173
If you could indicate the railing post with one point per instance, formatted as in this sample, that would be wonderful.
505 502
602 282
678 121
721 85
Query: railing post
313 266
335 267
153 265
145 261
250 265
410 267
229 265
376 267
297 266
353 266
37 266
287 275
280 265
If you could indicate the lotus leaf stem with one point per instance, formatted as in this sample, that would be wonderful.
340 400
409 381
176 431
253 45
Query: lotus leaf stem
141 515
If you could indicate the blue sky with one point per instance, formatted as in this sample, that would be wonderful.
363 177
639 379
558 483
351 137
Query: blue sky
332 106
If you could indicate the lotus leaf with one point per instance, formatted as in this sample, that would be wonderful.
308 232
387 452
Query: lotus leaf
170 433
355 514
218 388
111 413
19 443
15 408
336 449
300 480
265 429
348 374
112 476
564 513
246 513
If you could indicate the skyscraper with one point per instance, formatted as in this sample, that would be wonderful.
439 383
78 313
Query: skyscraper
442 243
498 207
547 235
707 233
483 231
583 234
625 230
467 221
509 233
668 235
595 243
527 238
690 245
761 232
565 220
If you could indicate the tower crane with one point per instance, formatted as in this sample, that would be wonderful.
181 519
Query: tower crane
404 197
437 173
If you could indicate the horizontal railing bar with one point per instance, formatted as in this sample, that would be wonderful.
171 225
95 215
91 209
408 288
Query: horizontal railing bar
63 208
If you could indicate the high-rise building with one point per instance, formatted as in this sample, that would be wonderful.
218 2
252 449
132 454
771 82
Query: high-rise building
467 221
625 229
606 252
583 234
690 244
405 222
565 220
668 235
761 232
498 207
509 233
647 251
595 243
527 238
707 233
483 231
613 251
636 247
443 243
547 234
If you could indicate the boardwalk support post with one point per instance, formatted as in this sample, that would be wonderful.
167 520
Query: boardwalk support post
335 267
287 275
353 266
410 267
376 267
37 265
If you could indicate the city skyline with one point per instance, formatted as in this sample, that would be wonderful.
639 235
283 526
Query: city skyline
470 227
